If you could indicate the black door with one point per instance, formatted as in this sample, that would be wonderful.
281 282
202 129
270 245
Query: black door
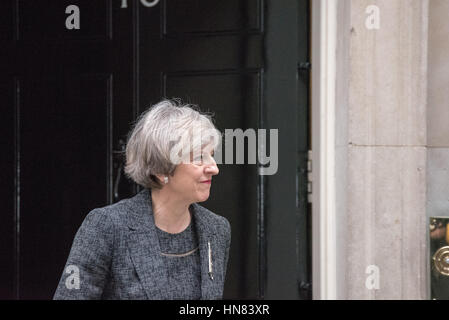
66 97
69 96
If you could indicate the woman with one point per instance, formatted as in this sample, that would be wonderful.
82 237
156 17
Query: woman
159 244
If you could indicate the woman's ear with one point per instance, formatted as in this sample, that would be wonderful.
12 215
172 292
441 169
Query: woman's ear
162 178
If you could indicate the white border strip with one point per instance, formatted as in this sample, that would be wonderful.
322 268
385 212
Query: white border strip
324 246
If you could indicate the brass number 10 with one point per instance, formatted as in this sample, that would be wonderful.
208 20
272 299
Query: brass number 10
144 2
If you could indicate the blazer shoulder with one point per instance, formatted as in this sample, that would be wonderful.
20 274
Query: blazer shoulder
220 222
116 211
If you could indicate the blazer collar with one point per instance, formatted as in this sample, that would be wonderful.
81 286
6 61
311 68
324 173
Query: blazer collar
145 249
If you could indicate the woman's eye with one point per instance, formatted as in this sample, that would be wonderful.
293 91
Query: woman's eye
200 159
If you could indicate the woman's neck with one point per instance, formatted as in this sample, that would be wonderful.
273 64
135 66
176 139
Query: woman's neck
170 214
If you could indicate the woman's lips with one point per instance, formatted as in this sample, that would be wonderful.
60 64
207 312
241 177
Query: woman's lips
207 181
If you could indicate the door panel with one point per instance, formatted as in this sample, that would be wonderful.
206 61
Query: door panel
64 147
46 20
7 185
212 17
7 20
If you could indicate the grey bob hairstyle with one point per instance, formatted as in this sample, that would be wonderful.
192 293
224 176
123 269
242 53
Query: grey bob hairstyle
164 136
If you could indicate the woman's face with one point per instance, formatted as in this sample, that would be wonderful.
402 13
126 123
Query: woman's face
192 180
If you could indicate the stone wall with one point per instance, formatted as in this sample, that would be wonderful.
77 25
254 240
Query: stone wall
384 149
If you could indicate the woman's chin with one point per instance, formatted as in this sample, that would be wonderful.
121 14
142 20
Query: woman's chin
203 197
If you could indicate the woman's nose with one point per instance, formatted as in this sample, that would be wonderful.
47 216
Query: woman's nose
212 168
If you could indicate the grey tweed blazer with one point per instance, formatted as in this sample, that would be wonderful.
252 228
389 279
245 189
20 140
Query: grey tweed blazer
116 254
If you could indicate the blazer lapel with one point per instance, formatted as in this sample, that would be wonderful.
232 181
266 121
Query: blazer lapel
206 236
144 247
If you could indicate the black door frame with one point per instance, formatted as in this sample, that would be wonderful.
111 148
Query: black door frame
284 219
